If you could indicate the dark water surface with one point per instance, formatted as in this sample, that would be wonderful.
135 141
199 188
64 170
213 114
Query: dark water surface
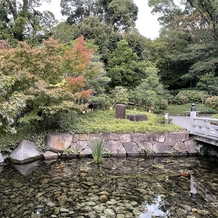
118 188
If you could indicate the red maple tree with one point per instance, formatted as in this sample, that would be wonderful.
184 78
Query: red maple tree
78 59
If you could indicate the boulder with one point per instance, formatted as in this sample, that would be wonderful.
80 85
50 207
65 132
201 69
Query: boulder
115 148
137 117
59 142
191 147
25 152
131 149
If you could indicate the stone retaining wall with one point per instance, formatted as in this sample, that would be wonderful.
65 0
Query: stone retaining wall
115 145
135 144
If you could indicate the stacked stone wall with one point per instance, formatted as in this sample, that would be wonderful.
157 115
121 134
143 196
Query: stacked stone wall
115 145
135 144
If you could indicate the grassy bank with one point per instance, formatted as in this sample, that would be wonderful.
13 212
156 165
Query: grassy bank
94 122
180 109
105 121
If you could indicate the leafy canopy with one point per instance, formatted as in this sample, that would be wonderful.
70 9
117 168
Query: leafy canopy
35 86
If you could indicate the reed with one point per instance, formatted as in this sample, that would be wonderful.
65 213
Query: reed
97 152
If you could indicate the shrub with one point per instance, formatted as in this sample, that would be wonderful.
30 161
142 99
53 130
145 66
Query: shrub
120 95
188 96
212 102
101 101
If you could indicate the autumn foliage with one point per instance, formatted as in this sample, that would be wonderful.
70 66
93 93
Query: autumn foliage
78 59
48 78
76 84
4 45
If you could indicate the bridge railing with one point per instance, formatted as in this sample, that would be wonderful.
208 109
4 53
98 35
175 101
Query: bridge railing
204 126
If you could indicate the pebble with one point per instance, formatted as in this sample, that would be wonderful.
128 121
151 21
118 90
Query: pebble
59 190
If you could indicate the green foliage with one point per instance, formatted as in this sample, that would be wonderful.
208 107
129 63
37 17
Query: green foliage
101 101
189 35
122 66
138 43
22 20
35 89
174 109
209 83
189 96
10 109
9 142
105 121
212 102
119 14
150 93
97 152
120 95
122 14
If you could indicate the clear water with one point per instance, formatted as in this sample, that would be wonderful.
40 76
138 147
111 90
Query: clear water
119 187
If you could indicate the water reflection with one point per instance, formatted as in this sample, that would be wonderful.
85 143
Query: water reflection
26 169
123 187
156 209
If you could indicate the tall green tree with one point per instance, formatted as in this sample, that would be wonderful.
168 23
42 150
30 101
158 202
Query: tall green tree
122 66
118 14
92 30
194 22
22 20
138 43
122 14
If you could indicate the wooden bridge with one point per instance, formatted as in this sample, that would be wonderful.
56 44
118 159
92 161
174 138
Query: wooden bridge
204 129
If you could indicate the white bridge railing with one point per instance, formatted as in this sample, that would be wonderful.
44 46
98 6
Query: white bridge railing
206 127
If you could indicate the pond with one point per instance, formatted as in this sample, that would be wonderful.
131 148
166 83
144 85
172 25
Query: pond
118 188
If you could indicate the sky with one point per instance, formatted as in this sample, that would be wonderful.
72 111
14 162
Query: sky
146 24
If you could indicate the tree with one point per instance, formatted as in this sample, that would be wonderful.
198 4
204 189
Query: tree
35 87
78 59
209 83
194 22
65 33
92 30
122 14
150 92
138 43
122 66
163 51
118 14
20 20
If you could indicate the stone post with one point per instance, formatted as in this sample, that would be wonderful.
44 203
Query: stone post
192 115
120 111
166 117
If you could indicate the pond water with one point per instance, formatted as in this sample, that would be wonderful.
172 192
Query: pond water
118 188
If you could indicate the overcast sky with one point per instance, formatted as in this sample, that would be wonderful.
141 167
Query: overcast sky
147 23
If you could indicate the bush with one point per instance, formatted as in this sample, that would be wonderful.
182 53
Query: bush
188 96
101 101
120 95
212 102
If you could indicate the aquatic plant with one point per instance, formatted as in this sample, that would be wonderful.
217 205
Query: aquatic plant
97 151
